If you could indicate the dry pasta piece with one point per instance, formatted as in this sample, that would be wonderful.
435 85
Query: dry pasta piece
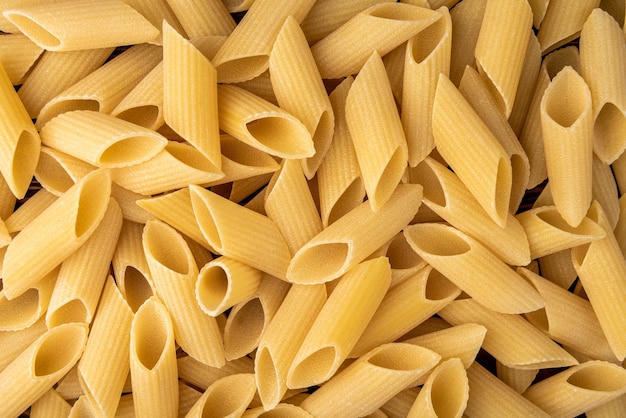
58 231
17 55
40 366
614 408
50 405
12 343
526 85
558 268
200 18
128 203
7 200
562 22
329 342
156 11
299 90
604 190
187 397
473 268
153 361
353 237
280 410
174 273
604 70
25 310
472 151
566 124
57 171
91 24
620 228
32 208
467 19
245 54
579 388
202 376
404 261
518 379
381 27
104 366
228 396
371 381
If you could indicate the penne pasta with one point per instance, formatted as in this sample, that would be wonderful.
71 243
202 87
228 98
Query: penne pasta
518 379
562 23
526 85
128 203
202 376
613 408
50 405
200 18
281 410
604 190
228 396
17 56
12 343
25 310
57 171
187 397
156 12
467 19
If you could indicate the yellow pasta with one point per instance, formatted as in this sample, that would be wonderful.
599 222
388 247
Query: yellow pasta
518 379
467 19
50 405
281 410
228 396
57 171
526 85
12 343
200 18
562 22
202 376
17 56
156 11
25 310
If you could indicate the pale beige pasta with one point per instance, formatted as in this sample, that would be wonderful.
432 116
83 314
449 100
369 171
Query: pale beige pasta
526 85
510 339
558 268
261 124
449 198
50 405
57 171
353 237
467 19
283 337
143 105
12 343
40 366
381 27
202 376
549 233
489 396
68 223
335 332
248 320
604 70
200 18
5 25
187 397
473 268
20 146
614 408
25 310
17 55
404 261
222 222
339 176
260 86
126 408
518 379
562 22
400 405
105 87
579 388
604 190
228 396
223 283
241 189
235 6
371 381
601 266
472 151
7 200
174 273
427 56
69 386
128 203
394 65
75 299
566 118
91 24
5 237
83 408
432 324
568 319
619 171
445 392
153 361
405 306
288 202
300 91
283 410
156 11
620 228
539 8
104 366
190 95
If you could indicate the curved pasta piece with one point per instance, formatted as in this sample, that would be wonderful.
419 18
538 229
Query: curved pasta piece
128 203
578 389
153 361
31 208
52 405
12 343
467 19
202 376
472 151
563 22
261 124
25 310
40 366
404 261
372 380
280 410
518 379
57 171
201 18
92 24
353 237
566 124
156 12
526 85
473 268
614 408
604 190
228 396
381 27
17 55
68 223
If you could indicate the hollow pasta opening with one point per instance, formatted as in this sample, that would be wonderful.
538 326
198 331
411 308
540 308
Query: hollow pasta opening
609 132
137 289
213 286
147 116
151 329
167 247
59 349
242 69
34 31
92 202
282 135
449 391
52 175
130 150
598 376
319 263
72 311
314 369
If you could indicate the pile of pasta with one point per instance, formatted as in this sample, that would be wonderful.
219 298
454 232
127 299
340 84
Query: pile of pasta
317 209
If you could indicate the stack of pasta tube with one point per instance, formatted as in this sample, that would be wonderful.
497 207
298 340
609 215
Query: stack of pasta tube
319 209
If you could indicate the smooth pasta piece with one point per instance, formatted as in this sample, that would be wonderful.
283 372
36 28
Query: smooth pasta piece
472 151
174 273
449 198
245 54
222 222
104 366
58 231
25 310
17 56
353 237
300 91
563 22
510 339
566 124
549 233
199 18
371 381
405 306
601 267
39 367
604 70
91 24
202 376
50 405
153 361
228 396
104 88
579 388
467 19
262 125
473 268
335 332
75 299
57 171
427 56
381 27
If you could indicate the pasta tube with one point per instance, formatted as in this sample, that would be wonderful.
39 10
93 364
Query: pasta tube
228 396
